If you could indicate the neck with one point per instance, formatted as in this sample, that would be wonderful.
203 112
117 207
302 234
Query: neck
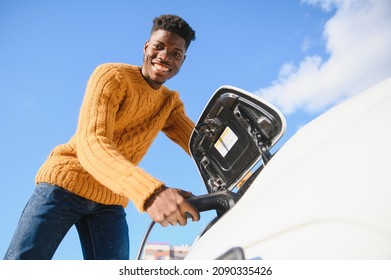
148 79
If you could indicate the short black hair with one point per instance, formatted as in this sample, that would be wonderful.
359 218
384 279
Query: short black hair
175 24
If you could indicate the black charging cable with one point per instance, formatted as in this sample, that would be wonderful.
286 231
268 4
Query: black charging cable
142 245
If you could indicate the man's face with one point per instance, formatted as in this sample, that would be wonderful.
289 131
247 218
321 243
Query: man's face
164 54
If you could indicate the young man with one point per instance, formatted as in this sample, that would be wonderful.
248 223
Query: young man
88 181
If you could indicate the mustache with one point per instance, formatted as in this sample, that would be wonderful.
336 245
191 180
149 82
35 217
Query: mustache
160 61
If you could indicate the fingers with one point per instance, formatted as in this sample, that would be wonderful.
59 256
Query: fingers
182 219
176 218
169 206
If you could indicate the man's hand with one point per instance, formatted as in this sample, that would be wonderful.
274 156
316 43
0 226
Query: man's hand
169 206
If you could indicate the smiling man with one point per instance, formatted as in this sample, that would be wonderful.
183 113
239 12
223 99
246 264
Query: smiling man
164 54
89 180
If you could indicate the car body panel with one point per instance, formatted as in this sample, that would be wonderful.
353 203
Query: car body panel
326 194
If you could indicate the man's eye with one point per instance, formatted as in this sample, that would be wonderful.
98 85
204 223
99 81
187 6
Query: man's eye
158 47
177 55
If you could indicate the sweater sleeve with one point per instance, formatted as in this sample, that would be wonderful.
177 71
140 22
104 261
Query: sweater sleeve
179 126
94 139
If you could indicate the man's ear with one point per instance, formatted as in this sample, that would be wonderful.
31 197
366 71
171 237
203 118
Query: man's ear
146 45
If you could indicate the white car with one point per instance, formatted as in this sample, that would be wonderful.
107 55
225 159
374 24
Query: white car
325 194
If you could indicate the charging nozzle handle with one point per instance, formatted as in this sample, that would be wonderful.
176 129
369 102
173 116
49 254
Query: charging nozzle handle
220 201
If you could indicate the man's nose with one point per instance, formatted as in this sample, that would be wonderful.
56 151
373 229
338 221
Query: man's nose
163 55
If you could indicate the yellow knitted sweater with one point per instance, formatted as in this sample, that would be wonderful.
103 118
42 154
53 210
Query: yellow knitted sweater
119 118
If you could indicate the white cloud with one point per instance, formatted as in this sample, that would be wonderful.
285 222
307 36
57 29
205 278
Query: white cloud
358 41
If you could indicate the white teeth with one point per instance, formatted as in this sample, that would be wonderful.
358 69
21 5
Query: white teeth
161 67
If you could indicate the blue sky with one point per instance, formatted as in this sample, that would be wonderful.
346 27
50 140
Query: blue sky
302 56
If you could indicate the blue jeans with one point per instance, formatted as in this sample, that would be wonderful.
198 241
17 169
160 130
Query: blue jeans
52 211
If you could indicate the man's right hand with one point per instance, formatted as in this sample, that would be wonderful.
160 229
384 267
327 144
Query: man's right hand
169 206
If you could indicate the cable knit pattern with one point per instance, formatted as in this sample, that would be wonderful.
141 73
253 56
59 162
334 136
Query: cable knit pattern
120 117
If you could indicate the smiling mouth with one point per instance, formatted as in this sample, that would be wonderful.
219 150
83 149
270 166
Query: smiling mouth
161 67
